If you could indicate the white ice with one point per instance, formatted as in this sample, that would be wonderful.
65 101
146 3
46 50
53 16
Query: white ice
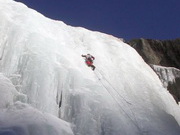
21 119
41 58
167 74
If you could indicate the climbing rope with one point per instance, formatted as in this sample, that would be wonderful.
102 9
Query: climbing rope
114 88
133 121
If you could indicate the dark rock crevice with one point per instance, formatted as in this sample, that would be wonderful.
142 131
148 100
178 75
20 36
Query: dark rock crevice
174 89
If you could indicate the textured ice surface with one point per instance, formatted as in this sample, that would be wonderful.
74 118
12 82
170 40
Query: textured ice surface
42 59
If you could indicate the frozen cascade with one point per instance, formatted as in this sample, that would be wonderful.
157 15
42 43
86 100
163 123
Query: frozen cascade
170 77
21 119
166 74
42 60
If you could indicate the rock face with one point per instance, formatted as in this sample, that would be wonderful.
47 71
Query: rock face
175 89
165 54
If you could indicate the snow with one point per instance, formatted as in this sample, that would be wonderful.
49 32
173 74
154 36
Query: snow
21 119
41 59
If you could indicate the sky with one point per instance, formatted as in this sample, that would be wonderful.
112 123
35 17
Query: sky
128 19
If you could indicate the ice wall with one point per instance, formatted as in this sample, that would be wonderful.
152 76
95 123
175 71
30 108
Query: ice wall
166 74
170 77
42 58
17 118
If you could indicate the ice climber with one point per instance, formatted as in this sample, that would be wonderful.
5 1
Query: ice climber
89 60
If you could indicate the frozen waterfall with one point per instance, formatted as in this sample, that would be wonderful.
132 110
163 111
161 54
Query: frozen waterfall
41 66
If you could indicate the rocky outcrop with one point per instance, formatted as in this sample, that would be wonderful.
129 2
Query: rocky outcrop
174 88
166 54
